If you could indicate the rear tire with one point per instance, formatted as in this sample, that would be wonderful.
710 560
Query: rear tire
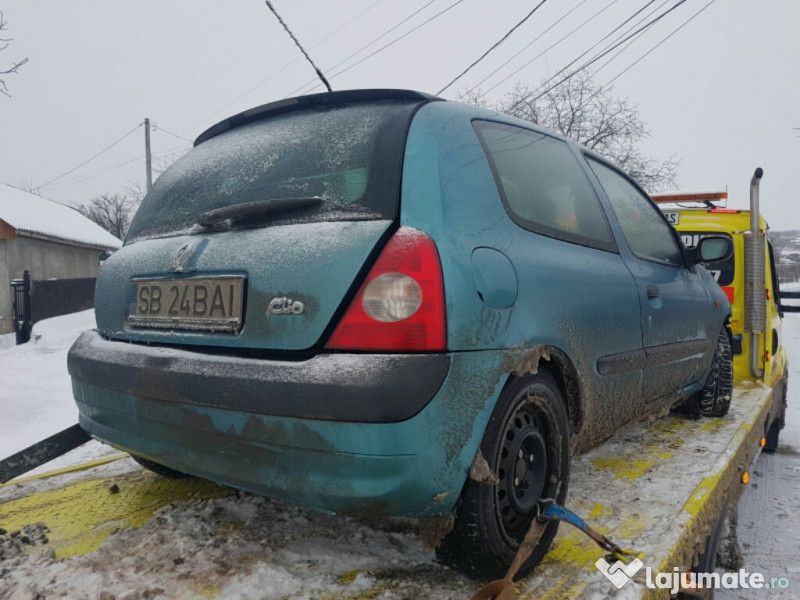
159 469
526 445
714 399
774 431
773 435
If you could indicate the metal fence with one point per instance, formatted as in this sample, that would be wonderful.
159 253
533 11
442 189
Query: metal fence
34 301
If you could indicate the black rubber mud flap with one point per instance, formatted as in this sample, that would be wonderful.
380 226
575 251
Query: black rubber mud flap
42 452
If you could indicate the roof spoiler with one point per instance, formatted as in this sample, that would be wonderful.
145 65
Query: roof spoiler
328 98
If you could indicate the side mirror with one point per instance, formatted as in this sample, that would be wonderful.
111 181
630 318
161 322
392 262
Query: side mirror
713 249
104 255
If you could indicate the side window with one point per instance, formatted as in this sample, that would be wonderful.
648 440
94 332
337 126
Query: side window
776 286
543 186
646 231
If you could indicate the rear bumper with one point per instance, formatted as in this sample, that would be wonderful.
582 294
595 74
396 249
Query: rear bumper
374 435
360 388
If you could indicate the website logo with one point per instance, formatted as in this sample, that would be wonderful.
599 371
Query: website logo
619 573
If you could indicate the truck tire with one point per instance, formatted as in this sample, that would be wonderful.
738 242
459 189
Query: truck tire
774 431
773 435
526 445
159 469
714 399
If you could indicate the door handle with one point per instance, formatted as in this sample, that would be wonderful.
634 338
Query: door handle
653 291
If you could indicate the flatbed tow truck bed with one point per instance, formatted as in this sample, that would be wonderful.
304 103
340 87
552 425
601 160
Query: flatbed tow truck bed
657 487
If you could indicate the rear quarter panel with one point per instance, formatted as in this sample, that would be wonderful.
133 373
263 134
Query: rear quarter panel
578 300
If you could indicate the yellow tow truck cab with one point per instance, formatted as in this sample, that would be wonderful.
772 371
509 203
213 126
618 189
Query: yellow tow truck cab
699 215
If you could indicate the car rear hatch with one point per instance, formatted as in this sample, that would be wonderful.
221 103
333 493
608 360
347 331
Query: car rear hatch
257 237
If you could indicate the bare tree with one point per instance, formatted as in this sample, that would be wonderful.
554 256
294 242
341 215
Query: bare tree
591 115
29 186
5 70
135 192
113 212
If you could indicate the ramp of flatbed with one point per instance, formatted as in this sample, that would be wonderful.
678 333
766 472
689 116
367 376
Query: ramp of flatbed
657 488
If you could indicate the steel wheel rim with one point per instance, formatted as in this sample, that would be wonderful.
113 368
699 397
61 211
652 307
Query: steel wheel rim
523 481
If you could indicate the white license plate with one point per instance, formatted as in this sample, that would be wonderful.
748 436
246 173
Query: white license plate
673 218
194 303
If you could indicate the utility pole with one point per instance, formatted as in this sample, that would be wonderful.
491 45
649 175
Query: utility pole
148 159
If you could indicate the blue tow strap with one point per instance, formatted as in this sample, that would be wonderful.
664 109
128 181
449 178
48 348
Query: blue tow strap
556 512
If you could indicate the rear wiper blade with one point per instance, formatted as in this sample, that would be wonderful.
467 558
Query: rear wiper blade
247 210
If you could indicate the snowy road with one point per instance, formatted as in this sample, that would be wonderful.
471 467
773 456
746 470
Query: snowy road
769 511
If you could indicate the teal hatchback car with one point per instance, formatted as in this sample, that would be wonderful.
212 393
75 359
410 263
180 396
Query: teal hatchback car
380 303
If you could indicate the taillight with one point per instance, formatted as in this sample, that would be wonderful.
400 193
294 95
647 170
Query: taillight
400 305
724 211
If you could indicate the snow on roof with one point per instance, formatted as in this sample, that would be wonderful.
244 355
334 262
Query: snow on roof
35 216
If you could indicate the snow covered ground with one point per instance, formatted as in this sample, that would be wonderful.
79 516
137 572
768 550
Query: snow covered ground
249 547
36 394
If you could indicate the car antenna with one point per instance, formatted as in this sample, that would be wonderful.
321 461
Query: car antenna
297 42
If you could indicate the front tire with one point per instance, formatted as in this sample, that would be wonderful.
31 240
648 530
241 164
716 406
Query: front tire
526 445
714 399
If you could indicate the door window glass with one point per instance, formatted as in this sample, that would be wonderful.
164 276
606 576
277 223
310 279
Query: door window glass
543 186
646 231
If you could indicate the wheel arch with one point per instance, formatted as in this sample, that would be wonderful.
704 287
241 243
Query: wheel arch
561 367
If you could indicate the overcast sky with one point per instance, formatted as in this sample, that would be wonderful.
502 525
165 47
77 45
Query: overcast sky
723 93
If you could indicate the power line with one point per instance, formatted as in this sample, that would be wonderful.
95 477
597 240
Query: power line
632 41
104 150
608 84
365 46
605 86
284 67
529 44
93 174
586 65
409 32
299 45
495 45
104 170
643 56
569 34
175 135
593 46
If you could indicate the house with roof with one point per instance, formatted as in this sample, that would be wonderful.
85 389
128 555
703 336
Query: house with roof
50 240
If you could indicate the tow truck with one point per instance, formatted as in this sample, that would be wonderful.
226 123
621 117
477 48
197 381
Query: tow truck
750 280
661 489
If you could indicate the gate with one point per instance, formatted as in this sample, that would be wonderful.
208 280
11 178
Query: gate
34 301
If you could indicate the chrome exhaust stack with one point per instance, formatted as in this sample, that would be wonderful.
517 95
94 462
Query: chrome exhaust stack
755 297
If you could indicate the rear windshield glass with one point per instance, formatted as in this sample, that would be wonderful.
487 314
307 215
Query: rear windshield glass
349 155
722 270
